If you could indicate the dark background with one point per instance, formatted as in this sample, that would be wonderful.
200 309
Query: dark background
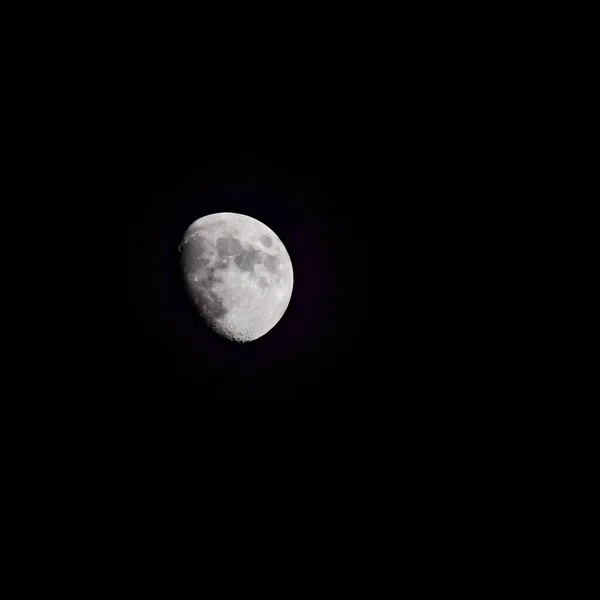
371 175
375 388
366 169
294 194
369 375
321 351
366 203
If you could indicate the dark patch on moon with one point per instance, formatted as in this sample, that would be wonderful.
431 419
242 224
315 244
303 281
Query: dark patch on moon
266 241
262 282
271 263
247 259
221 262
197 242
208 281
193 252
228 246
211 305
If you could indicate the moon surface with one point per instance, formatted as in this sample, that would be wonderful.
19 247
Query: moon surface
238 274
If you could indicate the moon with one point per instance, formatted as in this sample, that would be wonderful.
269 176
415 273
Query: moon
238 274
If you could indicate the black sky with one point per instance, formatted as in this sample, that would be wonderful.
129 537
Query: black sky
370 164
362 188
351 198
309 199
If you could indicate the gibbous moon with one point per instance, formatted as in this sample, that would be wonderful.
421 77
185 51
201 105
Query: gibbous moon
238 274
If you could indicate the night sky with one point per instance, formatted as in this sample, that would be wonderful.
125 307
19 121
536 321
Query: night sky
292 198
378 370
319 351
362 200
